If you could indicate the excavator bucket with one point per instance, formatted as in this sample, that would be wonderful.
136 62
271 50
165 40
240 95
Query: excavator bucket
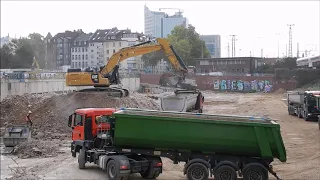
15 135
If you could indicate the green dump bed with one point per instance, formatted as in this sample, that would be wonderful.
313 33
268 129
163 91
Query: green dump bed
206 133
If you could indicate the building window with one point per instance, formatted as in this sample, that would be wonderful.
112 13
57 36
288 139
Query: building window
72 64
76 57
72 57
72 49
82 64
107 51
91 50
86 64
76 49
79 56
83 57
82 49
120 44
86 56
113 44
74 43
85 42
107 58
86 49
114 51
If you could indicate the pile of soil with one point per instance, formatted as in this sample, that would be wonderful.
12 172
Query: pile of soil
280 91
35 148
50 112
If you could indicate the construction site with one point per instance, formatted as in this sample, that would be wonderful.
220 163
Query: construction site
47 155
169 130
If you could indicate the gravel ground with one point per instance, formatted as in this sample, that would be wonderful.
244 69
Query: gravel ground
301 140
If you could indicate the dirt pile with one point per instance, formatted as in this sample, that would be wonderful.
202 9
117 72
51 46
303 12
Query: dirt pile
35 148
50 112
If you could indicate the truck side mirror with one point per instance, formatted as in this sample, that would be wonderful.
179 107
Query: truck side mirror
70 121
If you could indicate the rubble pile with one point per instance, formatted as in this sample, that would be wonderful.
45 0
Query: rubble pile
50 112
34 148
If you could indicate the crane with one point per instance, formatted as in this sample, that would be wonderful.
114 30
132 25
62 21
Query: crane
180 10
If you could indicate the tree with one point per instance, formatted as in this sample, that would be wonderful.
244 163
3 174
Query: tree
38 47
186 42
19 53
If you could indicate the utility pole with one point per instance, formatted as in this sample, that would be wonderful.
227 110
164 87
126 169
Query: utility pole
278 43
233 45
298 50
228 50
290 39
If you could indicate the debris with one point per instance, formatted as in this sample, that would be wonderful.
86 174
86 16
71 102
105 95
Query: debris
51 111
35 148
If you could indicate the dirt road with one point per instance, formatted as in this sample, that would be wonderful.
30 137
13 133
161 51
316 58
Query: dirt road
302 142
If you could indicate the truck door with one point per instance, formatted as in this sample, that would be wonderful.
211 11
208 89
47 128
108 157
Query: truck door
78 128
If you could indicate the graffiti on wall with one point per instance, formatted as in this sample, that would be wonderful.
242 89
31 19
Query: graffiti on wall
239 85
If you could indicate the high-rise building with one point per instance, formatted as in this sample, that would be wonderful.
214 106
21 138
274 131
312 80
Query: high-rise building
213 44
159 24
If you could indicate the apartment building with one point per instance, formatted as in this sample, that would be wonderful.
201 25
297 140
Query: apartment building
80 52
59 47
134 64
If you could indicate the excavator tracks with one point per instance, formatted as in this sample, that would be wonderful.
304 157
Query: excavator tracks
109 91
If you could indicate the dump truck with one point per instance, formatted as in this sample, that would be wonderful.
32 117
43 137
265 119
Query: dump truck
127 141
305 104
182 101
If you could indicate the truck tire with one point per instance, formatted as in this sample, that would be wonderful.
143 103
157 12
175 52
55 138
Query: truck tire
113 171
225 172
197 171
255 171
299 113
151 173
82 159
305 116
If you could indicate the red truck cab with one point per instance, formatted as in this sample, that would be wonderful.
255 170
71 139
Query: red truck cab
85 125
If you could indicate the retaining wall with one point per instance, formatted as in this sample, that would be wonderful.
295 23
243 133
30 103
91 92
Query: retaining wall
11 87
233 83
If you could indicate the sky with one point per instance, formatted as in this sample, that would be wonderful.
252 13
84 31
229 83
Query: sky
256 24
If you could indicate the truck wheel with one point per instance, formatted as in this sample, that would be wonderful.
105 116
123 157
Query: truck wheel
82 159
305 116
112 170
197 171
299 113
255 172
150 175
225 172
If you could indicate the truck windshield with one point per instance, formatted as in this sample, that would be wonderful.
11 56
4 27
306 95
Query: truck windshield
102 119
313 104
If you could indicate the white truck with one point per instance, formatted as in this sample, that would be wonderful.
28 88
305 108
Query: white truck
305 105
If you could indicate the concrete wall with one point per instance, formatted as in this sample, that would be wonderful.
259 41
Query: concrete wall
16 87
233 83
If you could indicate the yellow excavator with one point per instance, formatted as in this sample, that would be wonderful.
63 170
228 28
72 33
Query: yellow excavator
109 74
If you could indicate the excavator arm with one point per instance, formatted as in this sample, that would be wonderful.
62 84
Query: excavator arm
110 71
